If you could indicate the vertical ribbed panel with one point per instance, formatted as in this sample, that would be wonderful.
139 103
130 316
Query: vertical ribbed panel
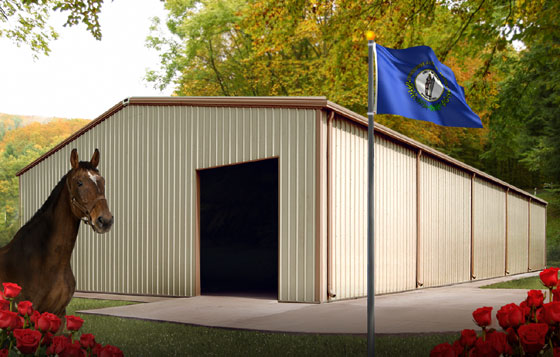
489 230
349 209
445 223
149 158
538 237
395 217
518 225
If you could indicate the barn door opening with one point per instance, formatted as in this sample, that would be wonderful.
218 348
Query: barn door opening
239 229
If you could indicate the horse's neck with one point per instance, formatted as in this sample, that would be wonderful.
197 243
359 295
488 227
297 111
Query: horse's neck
64 232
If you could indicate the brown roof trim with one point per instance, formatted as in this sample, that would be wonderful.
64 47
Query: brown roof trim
276 102
426 150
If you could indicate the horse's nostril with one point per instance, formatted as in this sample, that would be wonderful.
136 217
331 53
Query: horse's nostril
101 220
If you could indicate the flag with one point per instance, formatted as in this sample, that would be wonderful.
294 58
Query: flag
414 84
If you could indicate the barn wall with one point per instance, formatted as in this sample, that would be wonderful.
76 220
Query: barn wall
395 207
149 158
445 223
489 229
518 225
537 253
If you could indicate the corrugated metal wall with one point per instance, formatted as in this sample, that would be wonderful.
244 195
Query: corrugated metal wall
395 213
489 229
149 158
537 257
518 225
445 223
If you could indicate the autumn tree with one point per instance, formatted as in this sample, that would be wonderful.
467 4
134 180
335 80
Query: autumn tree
19 147
26 21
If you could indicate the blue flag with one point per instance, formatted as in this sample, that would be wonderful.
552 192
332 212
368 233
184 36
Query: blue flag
414 84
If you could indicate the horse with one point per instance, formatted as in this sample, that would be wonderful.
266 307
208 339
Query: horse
38 257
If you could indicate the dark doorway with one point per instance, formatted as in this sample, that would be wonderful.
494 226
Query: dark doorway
239 229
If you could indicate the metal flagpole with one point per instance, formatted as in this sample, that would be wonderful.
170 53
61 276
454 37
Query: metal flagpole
370 194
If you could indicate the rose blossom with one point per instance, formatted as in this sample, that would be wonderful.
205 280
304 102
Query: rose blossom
549 277
27 340
73 350
4 304
87 340
11 290
443 350
54 320
532 336
468 337
483 316
110 351
74 323
8 319
535 298
4 352
25 308
57 346
483 349
552 312
499 342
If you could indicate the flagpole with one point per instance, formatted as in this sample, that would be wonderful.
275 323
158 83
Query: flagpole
370 194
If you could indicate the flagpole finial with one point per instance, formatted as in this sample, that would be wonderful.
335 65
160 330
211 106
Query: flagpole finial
370 35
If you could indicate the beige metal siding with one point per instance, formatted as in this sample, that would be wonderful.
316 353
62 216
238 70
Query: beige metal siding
395 219
445 223
489 230
537 237
518 225
149 158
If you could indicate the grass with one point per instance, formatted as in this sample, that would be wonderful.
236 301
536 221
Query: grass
533 282
146 338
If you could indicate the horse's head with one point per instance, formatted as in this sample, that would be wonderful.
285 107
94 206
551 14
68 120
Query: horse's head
87 193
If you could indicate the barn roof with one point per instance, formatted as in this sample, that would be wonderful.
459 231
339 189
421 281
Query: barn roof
319 103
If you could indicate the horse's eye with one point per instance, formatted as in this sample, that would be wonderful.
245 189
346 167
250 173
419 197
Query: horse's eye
80 183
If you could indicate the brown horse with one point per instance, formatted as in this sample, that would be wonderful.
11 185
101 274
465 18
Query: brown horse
38 257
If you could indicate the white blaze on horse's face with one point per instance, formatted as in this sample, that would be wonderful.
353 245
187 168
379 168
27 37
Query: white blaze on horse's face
94 178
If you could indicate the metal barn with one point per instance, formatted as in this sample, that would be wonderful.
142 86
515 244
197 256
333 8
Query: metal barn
234 194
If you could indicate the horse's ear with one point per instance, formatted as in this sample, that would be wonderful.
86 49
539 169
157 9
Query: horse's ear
95 159
74 159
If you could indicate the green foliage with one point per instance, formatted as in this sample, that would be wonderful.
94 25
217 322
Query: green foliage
26 21
19 146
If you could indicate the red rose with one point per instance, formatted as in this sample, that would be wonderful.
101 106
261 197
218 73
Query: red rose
535 298
556 352
458 347
468 338
25 308
74 323
96 350
27 340
4 352
525 308
87 340
556 294
112 351
8 319
552 312
54 320
34 317
549 277
43 323
443 350
499 342
532 337
4 304
512 336
510 315
47 339
483 316
11 290
483 349
57 346
73 350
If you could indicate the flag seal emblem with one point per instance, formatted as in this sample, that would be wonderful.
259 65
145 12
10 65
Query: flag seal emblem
428 87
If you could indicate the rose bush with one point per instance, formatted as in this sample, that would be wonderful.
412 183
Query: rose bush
29 332
530 328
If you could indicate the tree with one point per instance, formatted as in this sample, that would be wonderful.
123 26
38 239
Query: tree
26 21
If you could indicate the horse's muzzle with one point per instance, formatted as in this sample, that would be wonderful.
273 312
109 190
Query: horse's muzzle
103 224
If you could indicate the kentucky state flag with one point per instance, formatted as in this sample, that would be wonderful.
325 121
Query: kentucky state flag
414 84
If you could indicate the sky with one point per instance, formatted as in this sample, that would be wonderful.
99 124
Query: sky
83 77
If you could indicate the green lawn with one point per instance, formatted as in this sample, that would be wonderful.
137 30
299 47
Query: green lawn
533 282
144 338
